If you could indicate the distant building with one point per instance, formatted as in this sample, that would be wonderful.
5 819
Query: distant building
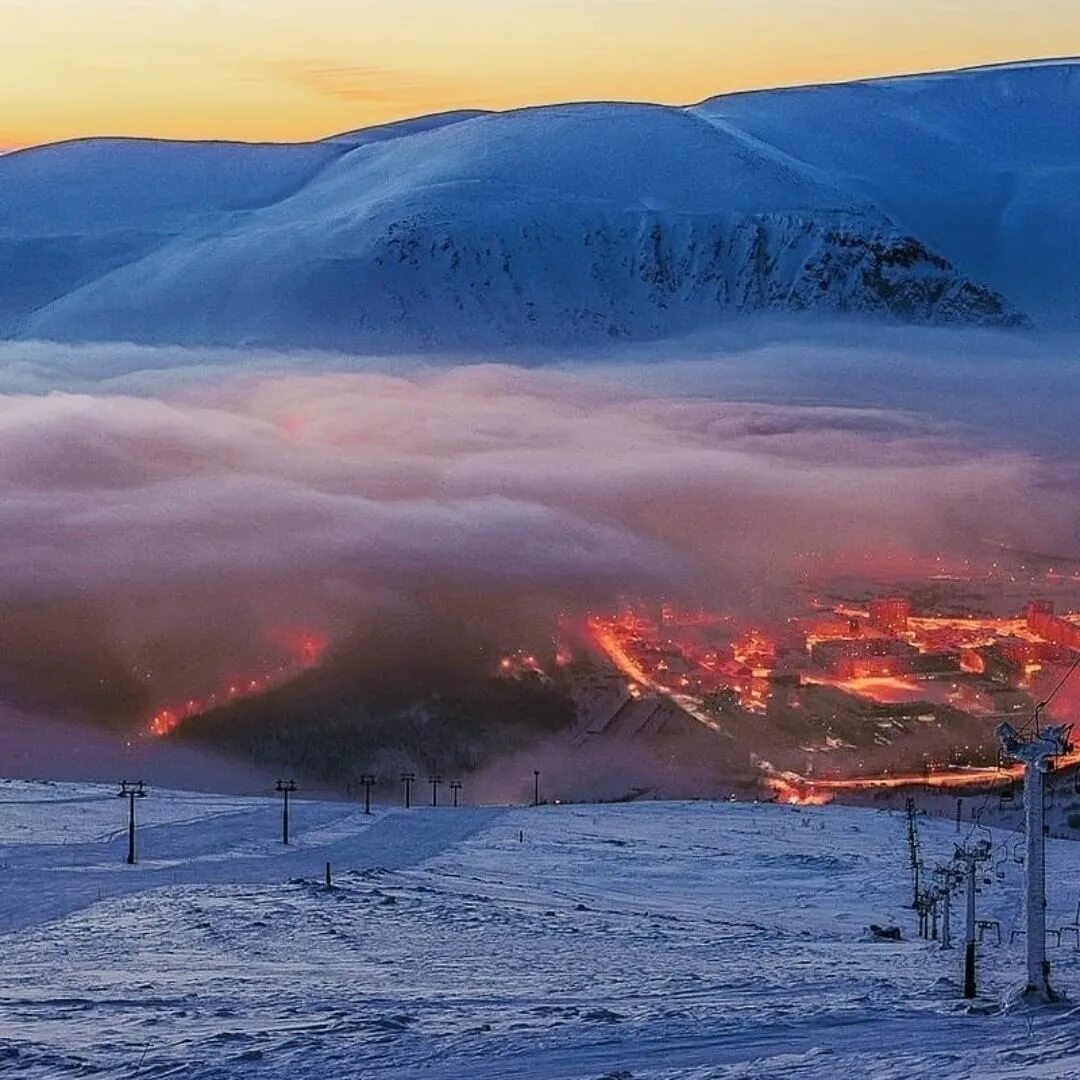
1010 701
1042 621
756 651
1022 652
935 663
1000 668
831 626
891 615
785 678
863 657
1035 608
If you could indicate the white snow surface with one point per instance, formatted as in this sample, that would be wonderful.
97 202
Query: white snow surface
643 941
940 198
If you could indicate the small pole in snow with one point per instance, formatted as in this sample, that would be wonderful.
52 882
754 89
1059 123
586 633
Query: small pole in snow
435 781
946 926
369 782
959 804
329 884
455 787
131 790
521 836
407 779
536 787
286 787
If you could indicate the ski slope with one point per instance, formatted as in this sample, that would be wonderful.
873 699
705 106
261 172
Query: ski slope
644 941
945 198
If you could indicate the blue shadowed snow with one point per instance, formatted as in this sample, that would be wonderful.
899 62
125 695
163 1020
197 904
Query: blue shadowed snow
654 941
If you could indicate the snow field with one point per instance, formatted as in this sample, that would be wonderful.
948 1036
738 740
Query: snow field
644 941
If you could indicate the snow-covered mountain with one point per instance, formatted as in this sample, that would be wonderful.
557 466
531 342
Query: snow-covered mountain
938 198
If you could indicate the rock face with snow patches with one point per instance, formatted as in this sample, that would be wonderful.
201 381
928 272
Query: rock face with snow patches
931 199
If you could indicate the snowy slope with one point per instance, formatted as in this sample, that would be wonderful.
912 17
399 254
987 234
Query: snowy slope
982 165
71 212
944 198
650 941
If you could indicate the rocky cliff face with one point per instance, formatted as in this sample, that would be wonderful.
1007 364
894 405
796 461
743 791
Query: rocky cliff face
644 275
425 282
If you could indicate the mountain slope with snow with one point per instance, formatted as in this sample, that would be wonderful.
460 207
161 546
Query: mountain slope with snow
932 199
982 165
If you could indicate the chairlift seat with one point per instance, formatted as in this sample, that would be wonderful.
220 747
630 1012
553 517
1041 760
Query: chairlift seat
1023 933
1070 930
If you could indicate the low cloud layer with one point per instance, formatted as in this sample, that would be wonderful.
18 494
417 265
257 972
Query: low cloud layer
165 514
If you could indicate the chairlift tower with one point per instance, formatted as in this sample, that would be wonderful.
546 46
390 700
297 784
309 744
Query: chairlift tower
1036 753
131 790
970 857
946 878
368 780
914 858
286 788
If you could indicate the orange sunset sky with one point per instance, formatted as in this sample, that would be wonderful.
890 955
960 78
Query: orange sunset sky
297 69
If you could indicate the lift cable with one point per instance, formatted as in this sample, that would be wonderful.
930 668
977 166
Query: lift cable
1050 697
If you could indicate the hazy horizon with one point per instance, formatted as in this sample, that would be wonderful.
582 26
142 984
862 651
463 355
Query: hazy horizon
276 72
407 117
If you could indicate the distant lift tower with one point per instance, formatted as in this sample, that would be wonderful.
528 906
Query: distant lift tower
286 787
131 790
969 857
1036 753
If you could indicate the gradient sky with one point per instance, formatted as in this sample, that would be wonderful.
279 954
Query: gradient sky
295 69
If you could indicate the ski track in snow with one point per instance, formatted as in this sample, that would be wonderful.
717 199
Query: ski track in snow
640 942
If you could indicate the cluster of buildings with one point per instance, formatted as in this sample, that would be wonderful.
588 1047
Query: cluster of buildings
1054 630
1013 659
881 646
846 689
975 663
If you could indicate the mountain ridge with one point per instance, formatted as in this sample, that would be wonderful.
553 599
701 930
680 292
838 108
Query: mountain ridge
940 198
467 113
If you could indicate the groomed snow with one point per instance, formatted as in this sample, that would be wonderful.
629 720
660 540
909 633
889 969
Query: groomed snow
643 941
